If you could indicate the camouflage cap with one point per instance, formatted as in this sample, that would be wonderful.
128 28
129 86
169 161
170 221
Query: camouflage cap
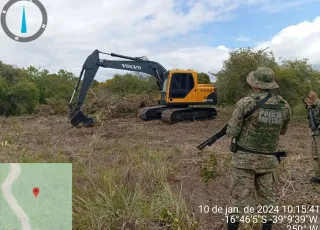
262 78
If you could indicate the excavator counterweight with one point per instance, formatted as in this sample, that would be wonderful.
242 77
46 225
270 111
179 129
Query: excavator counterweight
179 89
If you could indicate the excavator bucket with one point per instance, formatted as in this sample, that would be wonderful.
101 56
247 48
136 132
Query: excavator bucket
78 117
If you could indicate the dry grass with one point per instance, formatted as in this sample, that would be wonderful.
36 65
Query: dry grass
115 106
131 174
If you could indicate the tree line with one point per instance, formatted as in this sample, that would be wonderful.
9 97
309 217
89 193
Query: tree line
294 77
23 89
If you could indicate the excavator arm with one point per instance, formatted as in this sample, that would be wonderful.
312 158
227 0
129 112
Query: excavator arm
90 68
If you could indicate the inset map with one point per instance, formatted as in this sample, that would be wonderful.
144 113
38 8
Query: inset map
36 196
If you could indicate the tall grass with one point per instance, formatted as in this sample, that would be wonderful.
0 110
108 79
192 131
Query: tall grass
128 189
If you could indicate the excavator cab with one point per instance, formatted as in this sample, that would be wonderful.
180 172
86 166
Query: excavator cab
178 90
181 85
184 90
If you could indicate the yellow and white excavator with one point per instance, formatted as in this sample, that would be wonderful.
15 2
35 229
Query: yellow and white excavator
179 89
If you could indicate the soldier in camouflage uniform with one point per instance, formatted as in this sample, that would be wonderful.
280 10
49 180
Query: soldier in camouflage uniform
252 171
314 102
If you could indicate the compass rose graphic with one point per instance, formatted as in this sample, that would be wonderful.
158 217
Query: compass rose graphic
24 27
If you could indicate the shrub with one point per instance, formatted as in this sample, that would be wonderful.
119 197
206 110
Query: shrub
20 98
58 105
131 84
203 78
295 77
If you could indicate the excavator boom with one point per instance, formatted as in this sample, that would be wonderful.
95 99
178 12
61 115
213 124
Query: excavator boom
90 68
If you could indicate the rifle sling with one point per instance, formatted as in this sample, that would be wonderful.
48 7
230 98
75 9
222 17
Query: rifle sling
257 106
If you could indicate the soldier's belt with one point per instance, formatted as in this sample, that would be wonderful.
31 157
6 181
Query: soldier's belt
277 154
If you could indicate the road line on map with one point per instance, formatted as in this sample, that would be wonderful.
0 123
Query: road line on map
8 196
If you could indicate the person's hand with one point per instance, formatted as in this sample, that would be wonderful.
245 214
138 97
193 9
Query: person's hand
308 101
312 96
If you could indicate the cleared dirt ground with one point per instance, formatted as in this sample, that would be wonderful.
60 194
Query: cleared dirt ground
93 150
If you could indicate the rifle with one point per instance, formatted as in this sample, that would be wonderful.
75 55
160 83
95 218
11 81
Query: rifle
214 138
312 121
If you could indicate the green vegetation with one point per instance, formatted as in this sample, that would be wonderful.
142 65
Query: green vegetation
208 168
131 84
295 77
203 78
22 91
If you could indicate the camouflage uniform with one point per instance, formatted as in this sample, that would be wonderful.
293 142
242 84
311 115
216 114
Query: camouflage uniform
252 174
316 142
317 111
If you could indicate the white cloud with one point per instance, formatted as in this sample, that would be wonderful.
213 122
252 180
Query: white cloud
202 59
297 41
133 28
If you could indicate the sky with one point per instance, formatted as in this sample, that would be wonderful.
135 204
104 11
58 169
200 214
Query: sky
179 34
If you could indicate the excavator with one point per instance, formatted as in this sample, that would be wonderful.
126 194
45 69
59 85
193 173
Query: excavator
179 90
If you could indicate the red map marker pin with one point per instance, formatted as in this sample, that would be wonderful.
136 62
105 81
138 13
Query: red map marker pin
36 191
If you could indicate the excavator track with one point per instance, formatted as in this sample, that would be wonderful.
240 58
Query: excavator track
187 114
151 113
